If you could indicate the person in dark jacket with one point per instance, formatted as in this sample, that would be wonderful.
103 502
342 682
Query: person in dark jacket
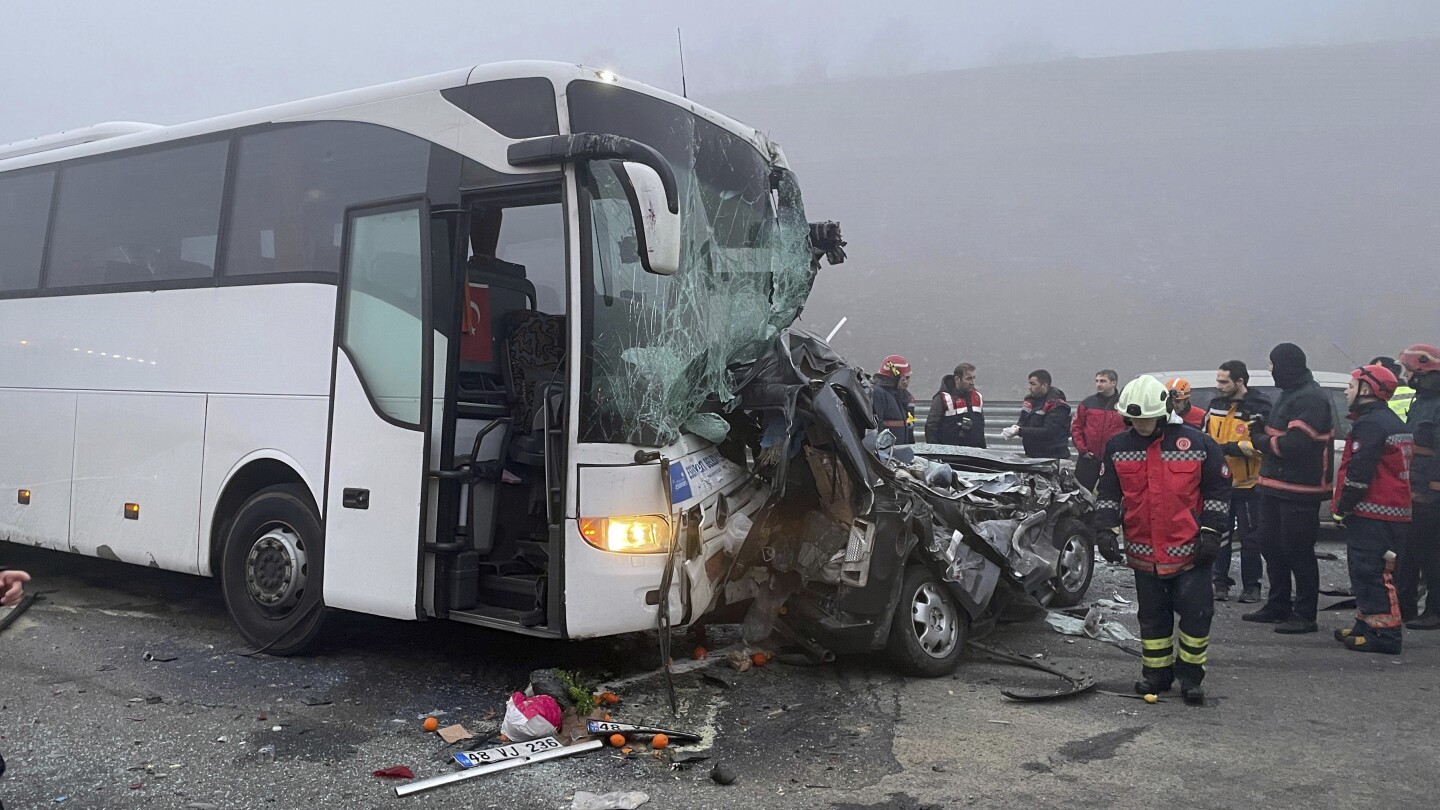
957 412
1294 445
1167 484
889 400
1421 555
1372 503
1044 426
1096 420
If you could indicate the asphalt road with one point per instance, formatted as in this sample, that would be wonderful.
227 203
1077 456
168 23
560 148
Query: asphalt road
1292 721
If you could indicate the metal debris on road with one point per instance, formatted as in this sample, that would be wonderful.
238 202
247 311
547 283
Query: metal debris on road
723 774
159 657
483 770
1078 681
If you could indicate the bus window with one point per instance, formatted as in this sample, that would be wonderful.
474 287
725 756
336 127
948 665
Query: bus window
130 218
292 186
24 211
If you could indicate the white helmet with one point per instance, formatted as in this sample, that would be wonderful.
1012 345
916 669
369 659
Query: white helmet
1144 398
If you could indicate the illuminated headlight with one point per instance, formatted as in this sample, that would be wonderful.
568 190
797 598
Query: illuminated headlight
633 534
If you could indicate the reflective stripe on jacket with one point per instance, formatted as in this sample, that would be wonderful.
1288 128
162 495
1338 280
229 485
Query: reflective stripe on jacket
1376 464
1165 488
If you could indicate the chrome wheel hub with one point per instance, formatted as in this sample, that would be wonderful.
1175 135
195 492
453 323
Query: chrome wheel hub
275 570
936 626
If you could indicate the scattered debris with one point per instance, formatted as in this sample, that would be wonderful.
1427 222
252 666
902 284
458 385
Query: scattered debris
529 718
999 722
1095 626
1143 698
18 608
159 657
628 800
456 733
266 754
474 759
1078 681
315 700
394 772
496 767
602 727
739 661
723 774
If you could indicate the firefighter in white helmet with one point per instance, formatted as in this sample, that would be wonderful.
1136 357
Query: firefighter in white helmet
1168 485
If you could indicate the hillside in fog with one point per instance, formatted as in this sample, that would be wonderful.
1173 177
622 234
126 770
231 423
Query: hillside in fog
1147 212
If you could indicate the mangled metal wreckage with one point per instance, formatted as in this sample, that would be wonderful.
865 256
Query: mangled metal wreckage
863 545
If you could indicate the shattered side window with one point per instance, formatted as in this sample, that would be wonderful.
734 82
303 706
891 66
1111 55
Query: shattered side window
657 348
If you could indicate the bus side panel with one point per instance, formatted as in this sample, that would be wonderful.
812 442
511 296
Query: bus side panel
605 592
241 429
37 450
372 552
145 449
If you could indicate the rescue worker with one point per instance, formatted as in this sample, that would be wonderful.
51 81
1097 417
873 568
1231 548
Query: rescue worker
1044 426
957 411
1096 421
1421 555
888 399
1372 503
1228 423
1404 394
1181 408
1294 444
1167 484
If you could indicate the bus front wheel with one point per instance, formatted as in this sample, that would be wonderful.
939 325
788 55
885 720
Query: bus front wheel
271 568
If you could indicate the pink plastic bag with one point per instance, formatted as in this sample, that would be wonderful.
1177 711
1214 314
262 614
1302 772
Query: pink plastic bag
530 718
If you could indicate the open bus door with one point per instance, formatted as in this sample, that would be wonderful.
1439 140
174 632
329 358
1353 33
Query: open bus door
381 412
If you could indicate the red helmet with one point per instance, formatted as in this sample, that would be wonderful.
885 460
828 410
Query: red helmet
1382 382
894 366
1420 358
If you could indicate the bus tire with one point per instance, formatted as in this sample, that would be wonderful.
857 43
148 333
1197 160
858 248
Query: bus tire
930 629
271 569
1076 564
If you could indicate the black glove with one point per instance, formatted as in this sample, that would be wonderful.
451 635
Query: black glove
1257 430
1109 545
1207 547
1232 449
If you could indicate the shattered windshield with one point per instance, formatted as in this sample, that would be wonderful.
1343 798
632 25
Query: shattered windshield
658 347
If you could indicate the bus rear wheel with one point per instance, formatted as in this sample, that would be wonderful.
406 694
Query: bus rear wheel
271 567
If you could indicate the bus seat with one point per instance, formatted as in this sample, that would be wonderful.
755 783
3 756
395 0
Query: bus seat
534 354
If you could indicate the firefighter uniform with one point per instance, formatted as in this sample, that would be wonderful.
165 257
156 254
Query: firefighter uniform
1372 498
1171 492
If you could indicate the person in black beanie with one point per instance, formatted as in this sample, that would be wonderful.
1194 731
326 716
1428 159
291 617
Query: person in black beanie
1295 475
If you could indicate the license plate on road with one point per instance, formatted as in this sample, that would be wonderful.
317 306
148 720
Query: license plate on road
470 759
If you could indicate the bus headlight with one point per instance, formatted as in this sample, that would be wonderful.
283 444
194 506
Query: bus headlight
631 534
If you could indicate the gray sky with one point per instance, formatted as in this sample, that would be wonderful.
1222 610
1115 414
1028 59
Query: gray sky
68 63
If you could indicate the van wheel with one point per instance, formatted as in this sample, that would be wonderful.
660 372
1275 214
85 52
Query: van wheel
930 628
271 570
1077 562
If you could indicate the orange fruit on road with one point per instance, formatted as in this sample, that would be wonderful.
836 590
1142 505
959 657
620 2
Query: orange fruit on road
609 698
431 724
760 659
659 741
699 653
617 740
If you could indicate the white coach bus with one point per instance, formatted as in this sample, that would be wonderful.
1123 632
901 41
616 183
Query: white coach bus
418 350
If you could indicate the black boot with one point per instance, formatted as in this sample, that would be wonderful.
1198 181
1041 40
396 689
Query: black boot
1372 645
1425 621
1146 686
1193 695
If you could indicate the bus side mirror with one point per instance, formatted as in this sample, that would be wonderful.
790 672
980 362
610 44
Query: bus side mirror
656 225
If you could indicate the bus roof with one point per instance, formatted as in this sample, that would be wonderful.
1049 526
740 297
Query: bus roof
115 136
